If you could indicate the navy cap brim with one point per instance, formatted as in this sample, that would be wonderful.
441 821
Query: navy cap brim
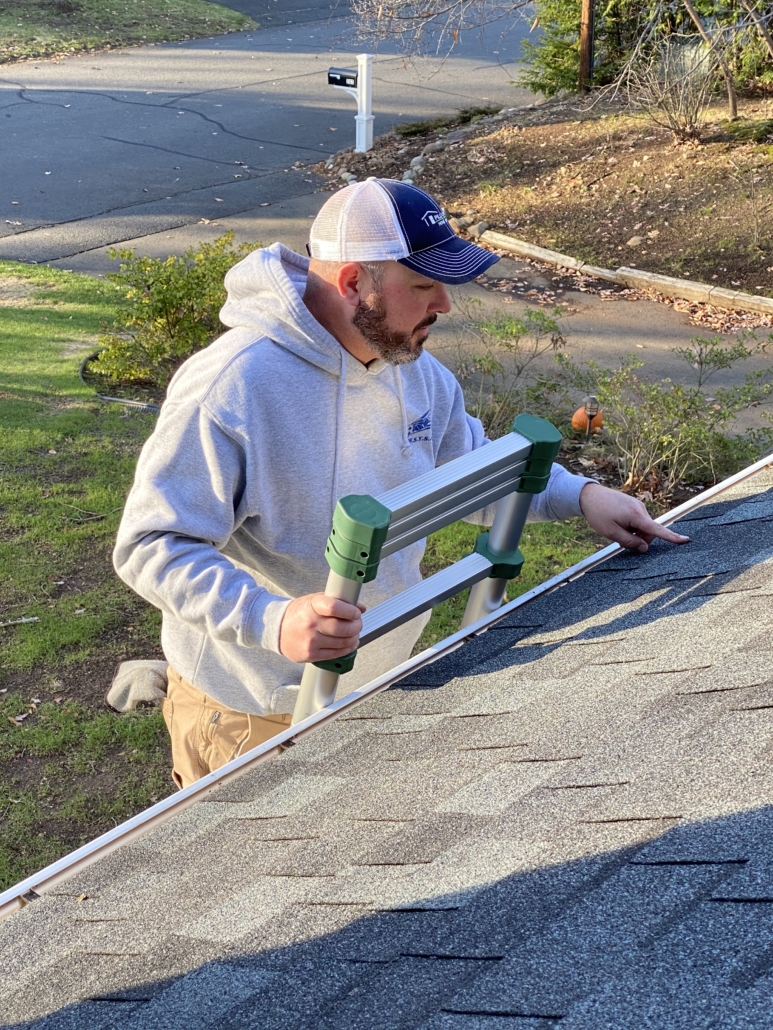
453 262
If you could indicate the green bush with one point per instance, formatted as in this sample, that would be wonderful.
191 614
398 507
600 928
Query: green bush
168 310
664 433
502 374
659 433
552 55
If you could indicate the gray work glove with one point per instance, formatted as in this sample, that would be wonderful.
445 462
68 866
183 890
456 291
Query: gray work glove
137 683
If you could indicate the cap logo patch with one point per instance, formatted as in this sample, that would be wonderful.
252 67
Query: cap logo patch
433 218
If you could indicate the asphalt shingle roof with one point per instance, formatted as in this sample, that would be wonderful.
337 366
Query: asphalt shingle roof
567 821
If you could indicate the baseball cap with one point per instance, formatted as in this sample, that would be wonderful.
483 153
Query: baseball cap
387 220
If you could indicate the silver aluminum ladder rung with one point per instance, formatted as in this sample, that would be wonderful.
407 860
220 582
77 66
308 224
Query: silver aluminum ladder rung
423 596
450 478
456 506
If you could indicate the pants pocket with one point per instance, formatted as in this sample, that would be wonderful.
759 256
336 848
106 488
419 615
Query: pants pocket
224 733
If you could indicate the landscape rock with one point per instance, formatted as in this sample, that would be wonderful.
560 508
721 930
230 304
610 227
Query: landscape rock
459 134
635 241
476 231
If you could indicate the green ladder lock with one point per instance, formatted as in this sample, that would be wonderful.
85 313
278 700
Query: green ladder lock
504 566
546 443
360 525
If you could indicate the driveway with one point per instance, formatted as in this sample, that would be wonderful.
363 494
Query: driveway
101 149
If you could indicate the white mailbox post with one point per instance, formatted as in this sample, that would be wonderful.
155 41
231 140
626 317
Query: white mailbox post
358 84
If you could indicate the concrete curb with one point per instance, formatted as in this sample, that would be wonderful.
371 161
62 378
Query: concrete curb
701 293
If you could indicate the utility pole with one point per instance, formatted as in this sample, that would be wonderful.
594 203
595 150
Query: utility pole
586 45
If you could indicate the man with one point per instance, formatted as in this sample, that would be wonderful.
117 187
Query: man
320 389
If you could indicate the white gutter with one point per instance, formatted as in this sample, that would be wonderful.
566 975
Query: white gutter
46 879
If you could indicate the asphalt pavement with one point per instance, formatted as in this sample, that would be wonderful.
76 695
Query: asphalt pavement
104 148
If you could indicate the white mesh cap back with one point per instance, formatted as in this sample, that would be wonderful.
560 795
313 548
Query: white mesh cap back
358 224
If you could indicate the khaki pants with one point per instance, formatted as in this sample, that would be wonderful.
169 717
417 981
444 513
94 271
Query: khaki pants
206 734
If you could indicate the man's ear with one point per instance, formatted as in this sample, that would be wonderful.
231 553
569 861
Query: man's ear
350 281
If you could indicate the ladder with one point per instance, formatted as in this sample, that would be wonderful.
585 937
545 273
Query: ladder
366 529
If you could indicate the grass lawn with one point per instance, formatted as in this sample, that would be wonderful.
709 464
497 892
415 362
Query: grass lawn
52 28
69 768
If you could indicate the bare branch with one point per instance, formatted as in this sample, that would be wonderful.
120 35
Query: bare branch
732 99
760 23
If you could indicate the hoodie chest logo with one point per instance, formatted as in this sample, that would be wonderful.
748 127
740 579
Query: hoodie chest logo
421 429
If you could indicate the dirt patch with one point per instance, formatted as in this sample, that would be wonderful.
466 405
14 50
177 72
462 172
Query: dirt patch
15 292
85 681
605 186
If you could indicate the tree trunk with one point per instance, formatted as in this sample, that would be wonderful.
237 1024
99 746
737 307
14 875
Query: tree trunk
586 44
761 27
732 99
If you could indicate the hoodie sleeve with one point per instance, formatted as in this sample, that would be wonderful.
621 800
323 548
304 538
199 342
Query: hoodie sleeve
181 510
463 433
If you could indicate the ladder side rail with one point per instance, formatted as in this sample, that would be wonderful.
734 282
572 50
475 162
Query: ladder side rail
503 539
318 686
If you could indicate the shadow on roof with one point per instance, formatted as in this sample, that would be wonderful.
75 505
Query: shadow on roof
648 929
730 552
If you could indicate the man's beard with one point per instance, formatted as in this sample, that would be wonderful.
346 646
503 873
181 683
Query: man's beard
391 345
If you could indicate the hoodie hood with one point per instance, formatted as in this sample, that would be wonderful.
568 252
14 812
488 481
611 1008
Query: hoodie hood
265 295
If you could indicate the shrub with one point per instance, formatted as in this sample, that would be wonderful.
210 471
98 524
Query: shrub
462 117
665 433
675 85
501 373
168 310
659 433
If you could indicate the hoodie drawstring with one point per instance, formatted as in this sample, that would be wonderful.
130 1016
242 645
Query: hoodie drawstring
406 446
339 429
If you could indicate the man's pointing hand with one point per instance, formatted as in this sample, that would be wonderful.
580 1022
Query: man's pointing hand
622 518
317 628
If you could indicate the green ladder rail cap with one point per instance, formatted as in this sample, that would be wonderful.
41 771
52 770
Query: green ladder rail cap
363 520
543 435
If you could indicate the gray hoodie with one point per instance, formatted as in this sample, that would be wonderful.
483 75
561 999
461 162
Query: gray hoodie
234 492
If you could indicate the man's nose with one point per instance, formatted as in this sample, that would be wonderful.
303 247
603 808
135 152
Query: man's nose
441 302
